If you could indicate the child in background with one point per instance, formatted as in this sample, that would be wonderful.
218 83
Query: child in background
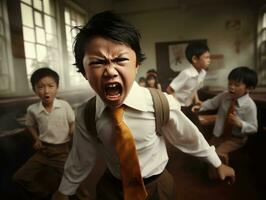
142 81
51 124
237 112
185 86
152 79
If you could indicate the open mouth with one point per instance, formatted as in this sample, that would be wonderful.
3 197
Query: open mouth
113 90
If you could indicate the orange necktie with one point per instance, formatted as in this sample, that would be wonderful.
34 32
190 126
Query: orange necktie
228 126
133 185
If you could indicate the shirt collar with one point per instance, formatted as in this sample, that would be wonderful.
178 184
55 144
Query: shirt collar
194 72
133 100
56 104
241 100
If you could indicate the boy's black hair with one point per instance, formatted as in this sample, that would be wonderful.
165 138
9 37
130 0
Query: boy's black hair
41 73
151 71
142 79
110 26
245 75
195 49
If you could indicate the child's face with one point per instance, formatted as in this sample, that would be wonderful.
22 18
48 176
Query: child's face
237 89
151 82
110 68
46 89
202 62
142 83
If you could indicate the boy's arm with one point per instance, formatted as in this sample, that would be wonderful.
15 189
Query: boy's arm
196 99
249 123
37 143
185 136
81 158
213 103
71 128
170 90
224 172
177 83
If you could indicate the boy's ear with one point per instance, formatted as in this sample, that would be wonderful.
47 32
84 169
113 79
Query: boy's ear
137 68
194 59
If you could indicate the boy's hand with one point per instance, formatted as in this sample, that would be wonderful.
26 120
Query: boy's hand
37 145
196 108
235 120
59 196
225 172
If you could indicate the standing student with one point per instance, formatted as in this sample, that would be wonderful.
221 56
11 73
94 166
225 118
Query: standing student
185 86
237 112
108 54
51 124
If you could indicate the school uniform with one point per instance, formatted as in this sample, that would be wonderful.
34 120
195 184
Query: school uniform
35 175
186 85
150 147
246 110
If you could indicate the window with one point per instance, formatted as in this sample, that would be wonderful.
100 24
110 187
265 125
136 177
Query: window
72 18
6 73
40 35
261 47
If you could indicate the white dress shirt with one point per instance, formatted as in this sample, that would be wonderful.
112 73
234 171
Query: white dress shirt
246 110
186 84
151 149
53 127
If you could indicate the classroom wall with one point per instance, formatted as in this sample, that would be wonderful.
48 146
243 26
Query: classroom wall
201 21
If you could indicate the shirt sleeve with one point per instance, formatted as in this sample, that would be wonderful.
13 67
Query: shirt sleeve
30 119
184 135
213 103
70 113
250 122
81 158
179 81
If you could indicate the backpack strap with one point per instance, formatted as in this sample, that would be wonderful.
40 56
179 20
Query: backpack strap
89 116
161 109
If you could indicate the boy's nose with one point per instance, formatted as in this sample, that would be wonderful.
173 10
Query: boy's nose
110 70
46 89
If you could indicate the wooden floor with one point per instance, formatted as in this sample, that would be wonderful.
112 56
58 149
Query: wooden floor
189 172
190 175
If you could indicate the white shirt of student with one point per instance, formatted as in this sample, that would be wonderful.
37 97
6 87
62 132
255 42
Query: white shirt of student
246 110
151 149
53 127
186 84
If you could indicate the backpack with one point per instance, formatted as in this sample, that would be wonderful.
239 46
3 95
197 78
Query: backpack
161 110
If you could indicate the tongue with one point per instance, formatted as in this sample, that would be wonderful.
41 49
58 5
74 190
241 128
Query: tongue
112 92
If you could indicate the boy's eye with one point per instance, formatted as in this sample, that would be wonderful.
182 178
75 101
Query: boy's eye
119 60
97 62
40 87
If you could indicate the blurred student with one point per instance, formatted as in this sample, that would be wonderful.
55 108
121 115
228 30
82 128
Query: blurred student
152 79
237 112
51 124
142 81
185 86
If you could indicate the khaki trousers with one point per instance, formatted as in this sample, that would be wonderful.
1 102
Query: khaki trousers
224 146
40 176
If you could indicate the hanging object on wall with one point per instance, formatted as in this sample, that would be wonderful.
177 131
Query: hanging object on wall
233 25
